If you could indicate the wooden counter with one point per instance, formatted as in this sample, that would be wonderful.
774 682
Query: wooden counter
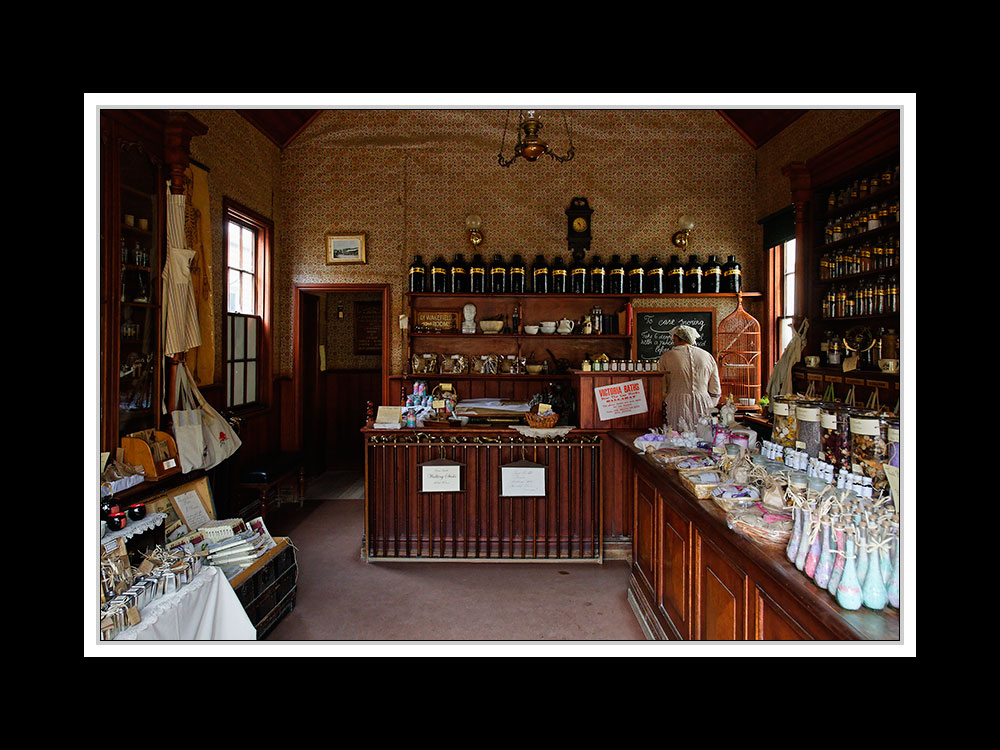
693 578
478 522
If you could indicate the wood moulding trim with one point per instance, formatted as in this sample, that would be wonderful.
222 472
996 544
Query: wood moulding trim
298 288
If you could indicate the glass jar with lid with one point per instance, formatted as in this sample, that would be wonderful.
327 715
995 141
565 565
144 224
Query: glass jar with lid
868 448
808 436
835 435
785 423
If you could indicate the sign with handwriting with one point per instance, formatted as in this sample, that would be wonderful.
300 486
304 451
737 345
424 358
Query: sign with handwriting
651 329
441 475
522 479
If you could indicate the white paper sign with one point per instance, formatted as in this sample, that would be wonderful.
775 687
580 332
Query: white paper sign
441 478
620 400
522 479
192 512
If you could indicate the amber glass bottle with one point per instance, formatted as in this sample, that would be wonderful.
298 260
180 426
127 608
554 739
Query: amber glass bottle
675 277
418 274
692 276
597 277
540 275
616 276
711 276
498 275
634 273
516 275
558 274
653 282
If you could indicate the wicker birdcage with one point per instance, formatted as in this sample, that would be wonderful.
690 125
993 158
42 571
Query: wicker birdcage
739 357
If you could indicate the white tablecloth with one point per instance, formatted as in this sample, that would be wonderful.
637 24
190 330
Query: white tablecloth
206 609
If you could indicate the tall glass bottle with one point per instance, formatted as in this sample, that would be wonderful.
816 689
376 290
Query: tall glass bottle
692 276
815 547
616 275
634 273
558 274
540 275
498 275
577 277
459 275
653 282
873 591
849 588
440 275
675 277
711 276
837 540
803 550
732 276
597 281
516 276
477 275
792 548
862 552
824 566
418 274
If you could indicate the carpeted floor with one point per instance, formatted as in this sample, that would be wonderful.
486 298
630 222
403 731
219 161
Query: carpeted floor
342 598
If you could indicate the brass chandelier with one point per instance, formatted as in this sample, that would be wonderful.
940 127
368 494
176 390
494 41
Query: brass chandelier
529 144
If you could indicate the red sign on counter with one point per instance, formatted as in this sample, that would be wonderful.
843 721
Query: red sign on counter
620 400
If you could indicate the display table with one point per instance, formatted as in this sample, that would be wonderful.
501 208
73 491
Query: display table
207 609
693 578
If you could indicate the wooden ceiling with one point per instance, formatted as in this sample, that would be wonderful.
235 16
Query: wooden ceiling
757 126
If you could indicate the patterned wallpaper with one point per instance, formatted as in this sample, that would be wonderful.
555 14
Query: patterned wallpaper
408 179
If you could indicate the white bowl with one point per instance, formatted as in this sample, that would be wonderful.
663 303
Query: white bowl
548 324
491 326
531 330
548 329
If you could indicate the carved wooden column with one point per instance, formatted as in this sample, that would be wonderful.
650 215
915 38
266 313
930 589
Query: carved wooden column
801 187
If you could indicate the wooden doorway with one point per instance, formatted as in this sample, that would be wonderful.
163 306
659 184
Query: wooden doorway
333 385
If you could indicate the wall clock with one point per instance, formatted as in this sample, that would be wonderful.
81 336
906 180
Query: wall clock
578 226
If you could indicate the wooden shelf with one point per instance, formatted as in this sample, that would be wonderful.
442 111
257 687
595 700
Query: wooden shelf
861 275
484 376
523 336
533 295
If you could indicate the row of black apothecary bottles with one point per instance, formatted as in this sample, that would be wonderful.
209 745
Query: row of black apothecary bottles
597 277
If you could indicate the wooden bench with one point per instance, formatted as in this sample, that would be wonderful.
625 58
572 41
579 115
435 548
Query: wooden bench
273 473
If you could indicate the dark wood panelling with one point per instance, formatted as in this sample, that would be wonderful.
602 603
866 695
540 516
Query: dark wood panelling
721 607
758 126
673 574
478 523
279 125
347 393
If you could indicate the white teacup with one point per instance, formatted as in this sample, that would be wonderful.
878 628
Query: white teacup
531 330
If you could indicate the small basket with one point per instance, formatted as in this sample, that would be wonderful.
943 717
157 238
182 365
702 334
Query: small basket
770 534
541 422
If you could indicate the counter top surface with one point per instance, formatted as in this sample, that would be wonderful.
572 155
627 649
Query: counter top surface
863 623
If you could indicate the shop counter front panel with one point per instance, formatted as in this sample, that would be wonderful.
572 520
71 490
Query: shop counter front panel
512 498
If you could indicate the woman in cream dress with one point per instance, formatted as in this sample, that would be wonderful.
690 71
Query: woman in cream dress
692 380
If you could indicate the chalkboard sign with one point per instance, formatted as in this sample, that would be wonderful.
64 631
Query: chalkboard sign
367 327
651 329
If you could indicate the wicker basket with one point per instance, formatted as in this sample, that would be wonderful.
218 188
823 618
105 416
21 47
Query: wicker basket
543 421
772 534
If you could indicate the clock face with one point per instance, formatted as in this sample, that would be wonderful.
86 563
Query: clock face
579 224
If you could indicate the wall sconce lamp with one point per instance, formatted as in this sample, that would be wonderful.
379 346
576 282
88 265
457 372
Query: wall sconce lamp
529 144
680 238
473 223
340 312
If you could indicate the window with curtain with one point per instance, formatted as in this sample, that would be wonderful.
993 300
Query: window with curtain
780 256
247 242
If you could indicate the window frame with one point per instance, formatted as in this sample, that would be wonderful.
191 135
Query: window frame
263 227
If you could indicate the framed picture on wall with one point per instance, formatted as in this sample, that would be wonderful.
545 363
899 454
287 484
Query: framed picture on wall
345 248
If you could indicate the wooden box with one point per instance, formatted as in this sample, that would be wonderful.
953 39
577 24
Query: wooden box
138 453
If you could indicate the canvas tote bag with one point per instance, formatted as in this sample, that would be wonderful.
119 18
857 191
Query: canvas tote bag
220 439
188 425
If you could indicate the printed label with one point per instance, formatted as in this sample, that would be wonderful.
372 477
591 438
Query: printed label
863 426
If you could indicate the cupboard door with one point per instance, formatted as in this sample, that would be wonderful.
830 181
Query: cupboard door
773 623
673 574
721 595
644 549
